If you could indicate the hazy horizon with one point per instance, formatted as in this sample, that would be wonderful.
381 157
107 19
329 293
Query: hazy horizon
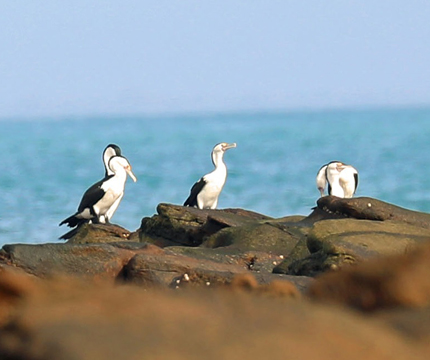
144 58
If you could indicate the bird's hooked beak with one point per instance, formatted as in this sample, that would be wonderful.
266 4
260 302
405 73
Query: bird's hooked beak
130 173
228 146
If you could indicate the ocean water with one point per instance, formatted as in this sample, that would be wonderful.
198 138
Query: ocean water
47 164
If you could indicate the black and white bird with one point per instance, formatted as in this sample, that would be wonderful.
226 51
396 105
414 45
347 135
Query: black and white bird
110 151
342 179
205 192
99 198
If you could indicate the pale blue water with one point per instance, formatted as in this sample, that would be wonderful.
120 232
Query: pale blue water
48 164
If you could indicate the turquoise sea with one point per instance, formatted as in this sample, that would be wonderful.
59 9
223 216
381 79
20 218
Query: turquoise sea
47 164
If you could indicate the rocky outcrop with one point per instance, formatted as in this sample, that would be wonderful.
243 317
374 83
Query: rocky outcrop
365 208
66 318
89 260
189 226
346 231
96 233
139 263
382 283
225 284
338 232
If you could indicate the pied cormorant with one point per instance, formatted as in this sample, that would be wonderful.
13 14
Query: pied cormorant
98 199
110 151
205 192
342 179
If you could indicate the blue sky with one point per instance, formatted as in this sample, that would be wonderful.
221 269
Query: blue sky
74 58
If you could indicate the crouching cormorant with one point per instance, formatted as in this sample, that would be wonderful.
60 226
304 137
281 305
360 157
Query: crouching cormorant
342 179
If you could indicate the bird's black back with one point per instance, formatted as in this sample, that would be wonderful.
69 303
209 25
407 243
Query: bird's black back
90 198
93 194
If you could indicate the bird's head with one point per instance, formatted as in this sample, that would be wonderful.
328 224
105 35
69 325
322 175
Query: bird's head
119 162
222 147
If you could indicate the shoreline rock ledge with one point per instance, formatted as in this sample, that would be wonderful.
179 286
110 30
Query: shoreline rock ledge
212 246
225 284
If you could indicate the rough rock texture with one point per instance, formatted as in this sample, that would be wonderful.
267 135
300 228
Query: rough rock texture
364 238
69 319
328 239
392 281
91 260
225 284
190 226
176 271
96 233
145 264
171 270
254 236
346 231
365 208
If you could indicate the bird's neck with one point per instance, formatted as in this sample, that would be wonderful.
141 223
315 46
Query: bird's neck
120 176
217 159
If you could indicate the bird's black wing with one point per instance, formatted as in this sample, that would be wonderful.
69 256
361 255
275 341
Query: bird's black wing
356 181
195 190
92 195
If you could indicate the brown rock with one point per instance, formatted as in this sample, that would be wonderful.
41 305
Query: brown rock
92 260
314 264
189 226
388 282
333 244
255 236
365 208
413 323
71 320
276 288
257 263
96 233
177 271
363 239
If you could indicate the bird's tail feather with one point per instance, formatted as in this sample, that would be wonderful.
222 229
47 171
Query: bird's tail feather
73 221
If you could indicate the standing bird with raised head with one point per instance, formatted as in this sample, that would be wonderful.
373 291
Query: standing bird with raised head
342 179
99 198
205 192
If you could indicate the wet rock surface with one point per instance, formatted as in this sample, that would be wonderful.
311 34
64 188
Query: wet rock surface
207 270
